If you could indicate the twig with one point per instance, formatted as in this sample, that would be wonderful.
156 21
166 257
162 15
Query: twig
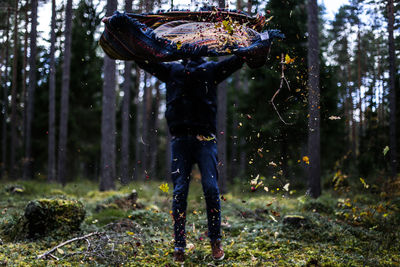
48 253
283 79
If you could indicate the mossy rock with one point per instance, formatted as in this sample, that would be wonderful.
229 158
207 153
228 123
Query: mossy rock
295 220
317 206
15 189
128 202
56 217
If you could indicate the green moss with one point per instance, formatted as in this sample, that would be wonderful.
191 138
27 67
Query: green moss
146 235
54 216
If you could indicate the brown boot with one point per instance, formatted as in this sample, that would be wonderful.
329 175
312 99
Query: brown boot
217 251
179 256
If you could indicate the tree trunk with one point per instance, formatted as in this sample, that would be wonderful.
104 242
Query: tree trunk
63 134
3 168
23 97
314 185
239 4
392 93
51 157
138 120
249 6
107 175
234 162
14 96
28 161
221 130
359 79
153 131
147 104
126 177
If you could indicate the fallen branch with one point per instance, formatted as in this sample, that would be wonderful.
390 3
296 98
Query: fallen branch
48 253
283 79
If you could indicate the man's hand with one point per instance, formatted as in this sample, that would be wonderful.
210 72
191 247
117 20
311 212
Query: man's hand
256 54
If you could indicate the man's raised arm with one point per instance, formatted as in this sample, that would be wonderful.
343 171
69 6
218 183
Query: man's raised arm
159 70
225 68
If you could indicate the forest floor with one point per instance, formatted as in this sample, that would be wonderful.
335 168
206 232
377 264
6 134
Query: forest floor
339 229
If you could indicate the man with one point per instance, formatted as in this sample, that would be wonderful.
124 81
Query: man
191 108
191 117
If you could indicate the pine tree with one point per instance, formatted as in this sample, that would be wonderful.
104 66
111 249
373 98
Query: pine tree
51 163
313 101
28 161
125 153
107 166
63 134
14 96
392 92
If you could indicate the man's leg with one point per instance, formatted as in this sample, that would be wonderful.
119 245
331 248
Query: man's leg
181 167
207 160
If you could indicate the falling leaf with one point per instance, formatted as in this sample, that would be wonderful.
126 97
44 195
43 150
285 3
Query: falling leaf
306 159
164 187
333 118
273 164
364 183
255 180
178 45
273 218
288 60
286 187
385 150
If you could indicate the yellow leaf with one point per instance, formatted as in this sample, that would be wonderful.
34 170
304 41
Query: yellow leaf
164 187
288 60
286 187
385 150
364 183
178 45
59 250
130 233
306 159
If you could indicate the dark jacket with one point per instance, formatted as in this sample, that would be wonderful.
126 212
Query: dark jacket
192 92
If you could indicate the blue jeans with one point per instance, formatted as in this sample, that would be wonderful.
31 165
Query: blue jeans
187 150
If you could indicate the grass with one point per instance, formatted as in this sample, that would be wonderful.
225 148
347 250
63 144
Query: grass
340 229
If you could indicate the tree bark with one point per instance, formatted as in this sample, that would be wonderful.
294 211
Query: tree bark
221 130
63 134
153 131
147 104
23 98
249 6
359 81
4 107
314 184
51 157
107 174
392 93
126 177
138 119
14 96
28 161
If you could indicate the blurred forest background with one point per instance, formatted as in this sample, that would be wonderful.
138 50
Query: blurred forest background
63 118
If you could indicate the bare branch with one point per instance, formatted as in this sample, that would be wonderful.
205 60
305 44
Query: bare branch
283 79
48 253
